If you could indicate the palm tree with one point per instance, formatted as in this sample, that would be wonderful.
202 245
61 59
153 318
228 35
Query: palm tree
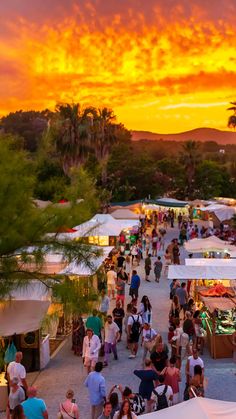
189 158
71 131
232 118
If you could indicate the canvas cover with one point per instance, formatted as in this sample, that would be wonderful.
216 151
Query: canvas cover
197 408
210 262
125 214
210 244
183 272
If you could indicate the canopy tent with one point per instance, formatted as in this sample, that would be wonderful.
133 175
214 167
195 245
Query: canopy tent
210 244
201 272
125 213
25 309
171 202
83 269
222 212
210 262
197 408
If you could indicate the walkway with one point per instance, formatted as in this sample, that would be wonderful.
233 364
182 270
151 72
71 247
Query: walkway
66 371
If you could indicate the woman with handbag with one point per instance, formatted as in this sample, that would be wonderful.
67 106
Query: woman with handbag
68 409
148 339
172 378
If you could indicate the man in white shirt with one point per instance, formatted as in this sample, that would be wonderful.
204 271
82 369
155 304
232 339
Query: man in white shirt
165 392
192 361
16 369
91 346
112 334
111 282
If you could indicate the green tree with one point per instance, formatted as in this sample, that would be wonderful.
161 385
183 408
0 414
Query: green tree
22 225
210 179
189 158
232 118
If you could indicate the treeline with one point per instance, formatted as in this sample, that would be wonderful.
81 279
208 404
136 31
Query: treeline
60 142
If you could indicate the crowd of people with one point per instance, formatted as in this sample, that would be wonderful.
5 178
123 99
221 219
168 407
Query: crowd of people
131 319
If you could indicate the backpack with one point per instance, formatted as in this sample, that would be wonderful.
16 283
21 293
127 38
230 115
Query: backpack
162 402
135 328
138 404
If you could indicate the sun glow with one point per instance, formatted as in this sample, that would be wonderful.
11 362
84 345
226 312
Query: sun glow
165 76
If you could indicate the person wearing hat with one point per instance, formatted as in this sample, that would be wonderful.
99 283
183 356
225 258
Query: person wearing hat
69 409
16 395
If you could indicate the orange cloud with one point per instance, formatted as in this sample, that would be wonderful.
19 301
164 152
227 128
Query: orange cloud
137 62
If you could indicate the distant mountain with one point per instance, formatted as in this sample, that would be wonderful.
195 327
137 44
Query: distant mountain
198 134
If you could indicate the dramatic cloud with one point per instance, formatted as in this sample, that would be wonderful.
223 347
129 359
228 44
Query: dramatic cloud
146 59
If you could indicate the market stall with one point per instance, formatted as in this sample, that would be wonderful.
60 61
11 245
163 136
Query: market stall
212 287
211 244
220 323
21 317
165 204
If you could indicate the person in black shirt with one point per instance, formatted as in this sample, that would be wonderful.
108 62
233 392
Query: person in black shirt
120 261
159 357
118 316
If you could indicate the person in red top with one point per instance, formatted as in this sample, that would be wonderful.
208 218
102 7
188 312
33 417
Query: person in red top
172 378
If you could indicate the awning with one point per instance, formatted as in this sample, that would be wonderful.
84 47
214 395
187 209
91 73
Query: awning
82 269
210 244
201 272
220 303
21 316
25 309
210 262
197 408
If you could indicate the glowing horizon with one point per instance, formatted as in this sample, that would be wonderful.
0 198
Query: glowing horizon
163 66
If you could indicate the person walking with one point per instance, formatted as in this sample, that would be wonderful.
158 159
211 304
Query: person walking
96 385
16 369
111 282
147 377
118 316
145 310
105 303
18 412
91 346
148 339
34 407
167 263
134 286
148 267
95 323
69 409
182 294
192 361
162 395
78 334
158 268
172 378
16 396
120 289
112 334
134 330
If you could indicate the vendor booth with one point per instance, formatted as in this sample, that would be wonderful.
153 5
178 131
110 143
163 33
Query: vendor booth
211 244
213 288
101 230
197 408
218 213
165 204
20 322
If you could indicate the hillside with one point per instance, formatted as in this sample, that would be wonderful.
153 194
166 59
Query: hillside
198 134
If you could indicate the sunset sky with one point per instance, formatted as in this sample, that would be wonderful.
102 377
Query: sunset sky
163 65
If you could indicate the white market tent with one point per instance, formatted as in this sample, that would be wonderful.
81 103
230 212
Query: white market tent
171 201
25 309
222 212
201 272
210 244
82 269
210 262
126 214
197 408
